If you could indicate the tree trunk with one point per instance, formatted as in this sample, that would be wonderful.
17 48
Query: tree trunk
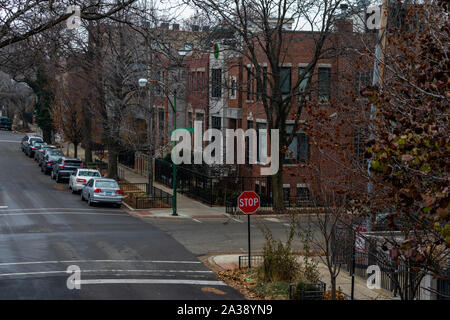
277 191
87 139
333 288
112 163
75 149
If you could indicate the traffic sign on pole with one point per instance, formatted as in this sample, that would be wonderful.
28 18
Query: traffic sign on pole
248 203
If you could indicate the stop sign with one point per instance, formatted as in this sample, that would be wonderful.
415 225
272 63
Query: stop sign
248 202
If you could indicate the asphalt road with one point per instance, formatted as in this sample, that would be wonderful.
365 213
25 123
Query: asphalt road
44 230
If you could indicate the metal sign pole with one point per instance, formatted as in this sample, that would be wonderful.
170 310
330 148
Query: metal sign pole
249 260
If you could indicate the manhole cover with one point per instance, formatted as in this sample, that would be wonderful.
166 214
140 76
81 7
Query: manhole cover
59 187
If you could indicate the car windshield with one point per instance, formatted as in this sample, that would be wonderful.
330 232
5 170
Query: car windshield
56 153
106 184
73 163
6 120
89 173
36 139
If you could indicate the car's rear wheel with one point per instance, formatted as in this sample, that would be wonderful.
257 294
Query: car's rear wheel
90 203
58 179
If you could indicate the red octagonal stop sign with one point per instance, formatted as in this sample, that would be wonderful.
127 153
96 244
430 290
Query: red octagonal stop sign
248 202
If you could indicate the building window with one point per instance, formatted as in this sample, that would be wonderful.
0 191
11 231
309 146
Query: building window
286 193
324 75
249 84
303 148
200 117
303 84
161 125
216 123
247 142
303 194
261 150
285 80
190 120
359 148
298 150
362 81
216 83
199 84
159 83
232 87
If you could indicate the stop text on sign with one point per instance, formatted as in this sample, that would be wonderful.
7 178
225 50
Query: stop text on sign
250 202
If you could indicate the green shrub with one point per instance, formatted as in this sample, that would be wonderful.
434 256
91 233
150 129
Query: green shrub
280 263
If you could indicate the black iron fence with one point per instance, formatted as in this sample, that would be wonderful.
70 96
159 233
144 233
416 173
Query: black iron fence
256 260
267 204
221 190
138 197
307 291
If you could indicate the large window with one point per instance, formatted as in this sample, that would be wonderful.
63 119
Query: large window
216 123
190 120
285 80
161 125
249 84
247 142
232 87
363 79
298 150
261 134
303 193
216 83
303 84
324 74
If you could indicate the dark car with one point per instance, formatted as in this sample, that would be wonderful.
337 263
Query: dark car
40 153
5 123
27 140
50 157
37 148
64 167
31 146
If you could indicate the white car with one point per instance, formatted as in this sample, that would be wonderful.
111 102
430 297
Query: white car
79 179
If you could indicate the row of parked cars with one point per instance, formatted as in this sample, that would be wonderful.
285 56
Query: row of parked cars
93 187
5 123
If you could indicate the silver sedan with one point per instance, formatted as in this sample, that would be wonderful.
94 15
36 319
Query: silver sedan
101 190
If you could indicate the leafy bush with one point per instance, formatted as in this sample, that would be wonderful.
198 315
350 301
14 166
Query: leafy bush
280 263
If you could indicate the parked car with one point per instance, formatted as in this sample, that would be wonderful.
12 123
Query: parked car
38 156
31 147
79 179
101 190
5 123
37 148
50 157
64 167
29 137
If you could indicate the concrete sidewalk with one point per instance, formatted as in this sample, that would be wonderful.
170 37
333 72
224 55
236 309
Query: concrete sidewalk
186 207
231 261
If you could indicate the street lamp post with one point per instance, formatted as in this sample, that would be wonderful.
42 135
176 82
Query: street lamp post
174 174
